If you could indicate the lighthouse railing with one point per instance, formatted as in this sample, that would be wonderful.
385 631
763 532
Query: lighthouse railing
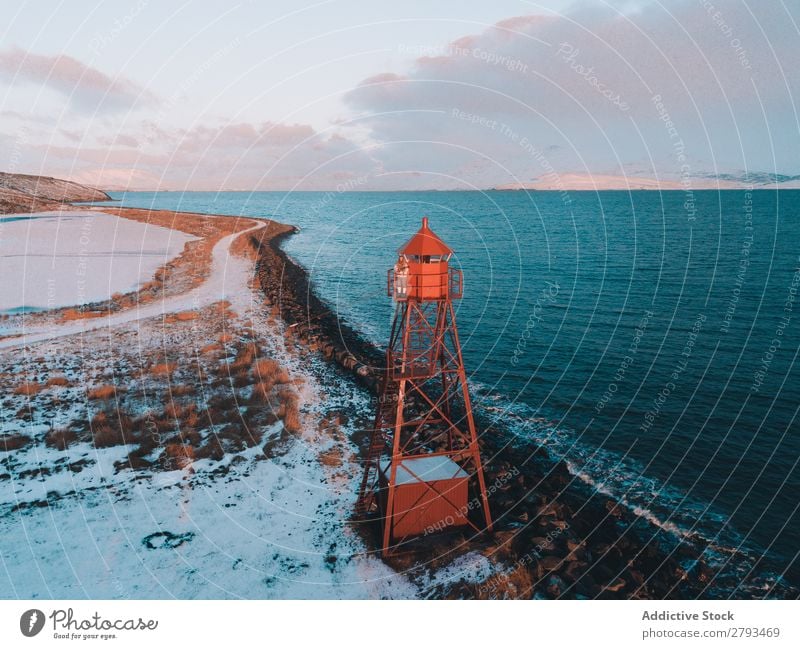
423 285
455 284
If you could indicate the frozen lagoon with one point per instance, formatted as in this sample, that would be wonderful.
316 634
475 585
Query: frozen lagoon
68 258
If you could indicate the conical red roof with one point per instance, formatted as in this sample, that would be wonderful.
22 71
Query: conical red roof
424 243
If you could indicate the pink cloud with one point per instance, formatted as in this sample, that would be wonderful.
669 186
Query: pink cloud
119 140
115 177
87 89
582 87
237 155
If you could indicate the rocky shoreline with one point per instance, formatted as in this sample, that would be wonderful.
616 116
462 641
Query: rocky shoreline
554 537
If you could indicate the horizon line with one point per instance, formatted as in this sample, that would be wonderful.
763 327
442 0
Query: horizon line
491 189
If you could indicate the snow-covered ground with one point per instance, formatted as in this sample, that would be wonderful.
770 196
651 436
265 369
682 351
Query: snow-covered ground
78 257
245 527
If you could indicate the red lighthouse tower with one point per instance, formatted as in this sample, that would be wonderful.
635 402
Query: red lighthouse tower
423 471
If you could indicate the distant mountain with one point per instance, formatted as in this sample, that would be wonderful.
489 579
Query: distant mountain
599 182
760 179
24 193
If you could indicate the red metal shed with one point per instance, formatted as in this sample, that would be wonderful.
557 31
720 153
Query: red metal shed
431 494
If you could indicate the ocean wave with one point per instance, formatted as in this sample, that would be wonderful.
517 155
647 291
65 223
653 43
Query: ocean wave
674 515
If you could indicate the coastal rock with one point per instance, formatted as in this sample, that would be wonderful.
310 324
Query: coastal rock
576 550
551 563
587 586
614 508
635 576
617 586
555 587
603 573
575 570
552 509
541 543
502 542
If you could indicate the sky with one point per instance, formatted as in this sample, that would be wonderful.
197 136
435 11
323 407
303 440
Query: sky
379 95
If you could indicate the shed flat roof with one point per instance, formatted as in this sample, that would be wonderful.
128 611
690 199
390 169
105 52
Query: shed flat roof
428 468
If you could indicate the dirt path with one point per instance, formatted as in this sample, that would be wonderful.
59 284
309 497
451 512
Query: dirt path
228 273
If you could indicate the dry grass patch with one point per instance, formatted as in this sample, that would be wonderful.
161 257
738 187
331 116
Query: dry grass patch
112 430
163 369
187 415
331 457
245 358
77 314
57 382
13 441
29 388
211 450
223 310
182 390
270 372
243 246
265 368
179 456
60 438
261 392
200 225
291 421
182 316
289 411
219 410
237 436
241 378
102 392
173 411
